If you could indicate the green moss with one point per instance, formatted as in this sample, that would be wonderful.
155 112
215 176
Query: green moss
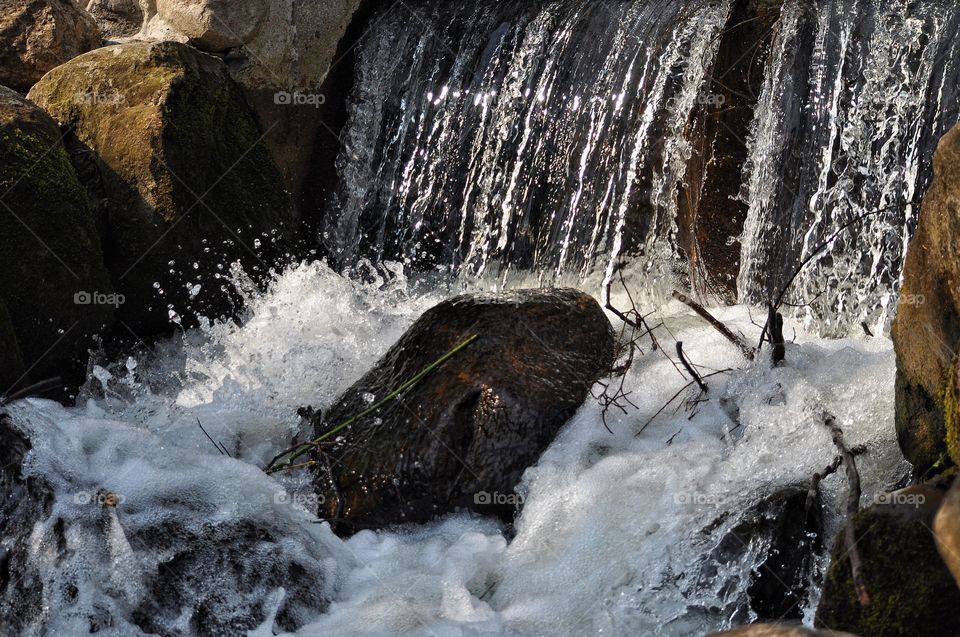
911 591
947 398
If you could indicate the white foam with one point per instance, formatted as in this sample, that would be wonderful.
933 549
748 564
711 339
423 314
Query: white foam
609 541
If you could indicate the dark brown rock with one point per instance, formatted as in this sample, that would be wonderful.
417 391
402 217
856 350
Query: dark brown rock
912 594
463 436
11 360
926 332
778 630
37 35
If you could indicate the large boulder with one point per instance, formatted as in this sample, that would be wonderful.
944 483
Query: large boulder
912 594
173 159
37 35
946 529
926 331
53 281
215 25
464 435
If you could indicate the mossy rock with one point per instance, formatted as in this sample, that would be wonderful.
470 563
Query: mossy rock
174 161
911 591
49 248
947 530
926 331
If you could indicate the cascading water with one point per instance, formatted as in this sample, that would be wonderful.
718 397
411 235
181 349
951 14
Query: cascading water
550 138
857 94
540 136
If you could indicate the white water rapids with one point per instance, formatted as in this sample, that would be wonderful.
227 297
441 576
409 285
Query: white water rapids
611 539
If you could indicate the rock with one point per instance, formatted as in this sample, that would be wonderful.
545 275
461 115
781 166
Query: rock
215 25
37 35
911 591
790 535
117 18
50 254
11 360
464 435
23 502
946 527
926 331
777 630
172 157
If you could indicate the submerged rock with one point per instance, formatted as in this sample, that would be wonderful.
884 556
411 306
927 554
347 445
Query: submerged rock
946 529
463 436
911 591
24 502
778 630
172 157
786 537
52 273
37 35
926 332
97 534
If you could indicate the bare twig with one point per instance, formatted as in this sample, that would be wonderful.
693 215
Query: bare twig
719 326
36 388
775 330
690 370
675 396
853 507
217 445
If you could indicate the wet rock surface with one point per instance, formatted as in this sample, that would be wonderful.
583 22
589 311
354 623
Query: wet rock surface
51 261
926 331
181 182
463 436
946 529
911 591
778 630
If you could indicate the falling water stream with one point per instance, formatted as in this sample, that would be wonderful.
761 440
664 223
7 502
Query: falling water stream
494 144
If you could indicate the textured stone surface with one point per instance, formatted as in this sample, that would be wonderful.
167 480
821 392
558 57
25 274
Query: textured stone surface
946 528
117 18
49 248
37 35
475 424
173 159
926 331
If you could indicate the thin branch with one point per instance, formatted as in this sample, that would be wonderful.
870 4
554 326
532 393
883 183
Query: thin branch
690 370
853 507
674 397
719 326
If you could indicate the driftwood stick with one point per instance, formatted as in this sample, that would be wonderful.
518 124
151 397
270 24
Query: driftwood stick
814 490
690 370
775 329
853 507
36 388
720 327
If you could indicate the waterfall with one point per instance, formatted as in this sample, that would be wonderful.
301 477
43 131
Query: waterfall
558 137
547 136
857 94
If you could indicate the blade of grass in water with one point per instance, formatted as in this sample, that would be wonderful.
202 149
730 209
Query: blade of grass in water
305 447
